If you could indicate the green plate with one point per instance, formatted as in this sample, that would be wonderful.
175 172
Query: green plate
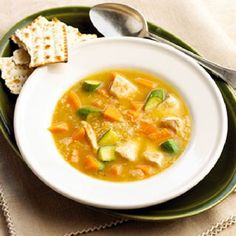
213 189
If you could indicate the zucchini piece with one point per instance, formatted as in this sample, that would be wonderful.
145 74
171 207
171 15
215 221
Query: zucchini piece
85 111
90 85
152 103
160 93
170 146
107 153
108 138
154 99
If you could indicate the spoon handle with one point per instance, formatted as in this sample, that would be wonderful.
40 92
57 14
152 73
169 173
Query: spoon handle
226 74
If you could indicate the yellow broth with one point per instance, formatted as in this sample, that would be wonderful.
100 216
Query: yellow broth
145 129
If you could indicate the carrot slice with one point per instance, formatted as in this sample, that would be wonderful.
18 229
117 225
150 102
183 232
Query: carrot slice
59 127
136 105
161 135
74 100
91 164
112 114
78 134
145 82
147 128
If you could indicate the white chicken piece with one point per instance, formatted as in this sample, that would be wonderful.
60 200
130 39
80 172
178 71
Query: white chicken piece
155 157
172 101
172 122
91 134
128 150
121 87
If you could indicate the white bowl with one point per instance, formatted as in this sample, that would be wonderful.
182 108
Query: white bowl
37 100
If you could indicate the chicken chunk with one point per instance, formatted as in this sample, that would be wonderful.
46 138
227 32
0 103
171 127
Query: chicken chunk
155 157
91 134
171 101
172 122
128 150
121 87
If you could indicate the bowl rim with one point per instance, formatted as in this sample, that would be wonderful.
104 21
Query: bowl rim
171 50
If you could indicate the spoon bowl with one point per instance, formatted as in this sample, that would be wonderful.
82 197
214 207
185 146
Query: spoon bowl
113 19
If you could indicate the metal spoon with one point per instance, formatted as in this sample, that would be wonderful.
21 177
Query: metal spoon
112 19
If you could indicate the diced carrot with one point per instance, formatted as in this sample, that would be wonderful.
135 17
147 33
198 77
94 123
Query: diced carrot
132 115
112 114
91 164
136 105
147 169
59 127
145 82
161 135
78 134
116 169
147 128
74 100
103 92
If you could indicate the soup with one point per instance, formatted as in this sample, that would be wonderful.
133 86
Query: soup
121 125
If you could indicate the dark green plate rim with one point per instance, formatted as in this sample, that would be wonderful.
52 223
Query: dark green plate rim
226 90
